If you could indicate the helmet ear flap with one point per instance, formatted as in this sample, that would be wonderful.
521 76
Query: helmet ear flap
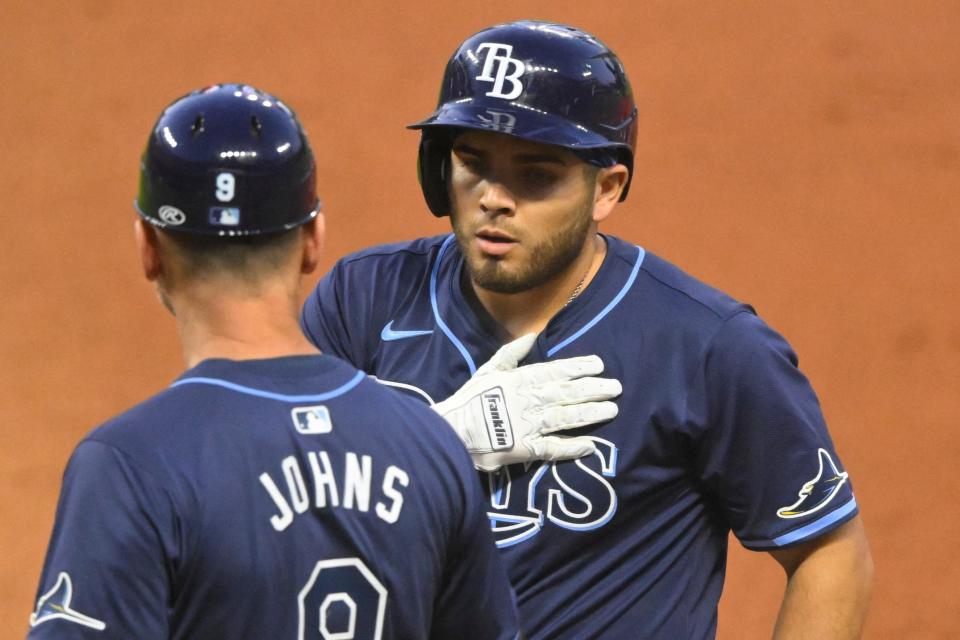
433 168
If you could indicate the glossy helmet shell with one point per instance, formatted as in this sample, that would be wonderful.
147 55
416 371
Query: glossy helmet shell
227 160
539 81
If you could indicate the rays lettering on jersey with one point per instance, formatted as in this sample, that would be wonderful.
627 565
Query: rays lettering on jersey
574 495
352 487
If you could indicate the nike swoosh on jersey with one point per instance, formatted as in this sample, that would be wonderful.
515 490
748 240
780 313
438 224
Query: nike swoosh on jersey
388 333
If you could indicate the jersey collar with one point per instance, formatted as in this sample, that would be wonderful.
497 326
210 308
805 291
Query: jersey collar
474 335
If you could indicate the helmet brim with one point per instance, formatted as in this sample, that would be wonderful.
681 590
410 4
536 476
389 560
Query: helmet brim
518 120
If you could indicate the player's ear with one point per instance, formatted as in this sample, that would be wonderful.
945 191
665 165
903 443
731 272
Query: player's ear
313 234
610 182
148 247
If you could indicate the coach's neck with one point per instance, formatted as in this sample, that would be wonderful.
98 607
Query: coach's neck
222 324
222 315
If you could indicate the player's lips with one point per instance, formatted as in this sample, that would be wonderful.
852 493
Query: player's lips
494 242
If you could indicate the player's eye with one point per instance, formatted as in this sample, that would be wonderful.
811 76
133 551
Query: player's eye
472 164
538 178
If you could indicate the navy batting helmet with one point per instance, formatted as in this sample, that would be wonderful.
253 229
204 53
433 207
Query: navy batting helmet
228 160
542 82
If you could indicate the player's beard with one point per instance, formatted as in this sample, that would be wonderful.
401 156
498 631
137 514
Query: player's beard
547 259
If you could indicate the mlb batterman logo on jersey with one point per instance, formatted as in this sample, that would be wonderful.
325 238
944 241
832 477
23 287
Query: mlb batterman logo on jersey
312 420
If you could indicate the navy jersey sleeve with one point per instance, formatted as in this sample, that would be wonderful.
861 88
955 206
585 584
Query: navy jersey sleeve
111 553
766 455
324 317
476 597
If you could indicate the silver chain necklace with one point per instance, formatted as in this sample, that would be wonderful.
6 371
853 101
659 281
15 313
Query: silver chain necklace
576 291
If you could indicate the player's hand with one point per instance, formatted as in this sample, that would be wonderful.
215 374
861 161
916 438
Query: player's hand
506 414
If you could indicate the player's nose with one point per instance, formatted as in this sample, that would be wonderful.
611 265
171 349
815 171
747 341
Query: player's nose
496 199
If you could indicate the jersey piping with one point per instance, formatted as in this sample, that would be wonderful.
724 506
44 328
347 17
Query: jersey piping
434 277
607 309
436 310
260 393
807 531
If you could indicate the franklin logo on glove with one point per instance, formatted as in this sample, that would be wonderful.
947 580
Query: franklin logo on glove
507 413
498 420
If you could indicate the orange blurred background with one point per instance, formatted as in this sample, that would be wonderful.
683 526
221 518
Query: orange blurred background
803 156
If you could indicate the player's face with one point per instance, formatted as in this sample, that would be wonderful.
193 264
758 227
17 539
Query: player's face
522 211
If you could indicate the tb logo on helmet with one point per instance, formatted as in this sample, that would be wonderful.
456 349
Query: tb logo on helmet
498 121
500 55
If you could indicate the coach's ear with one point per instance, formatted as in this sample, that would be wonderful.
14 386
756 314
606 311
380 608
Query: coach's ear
313 234
148 247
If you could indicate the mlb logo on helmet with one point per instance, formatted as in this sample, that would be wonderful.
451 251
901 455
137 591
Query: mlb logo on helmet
312 420
225 216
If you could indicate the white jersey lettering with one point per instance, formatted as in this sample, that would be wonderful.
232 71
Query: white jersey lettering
281 520
295 485
393 475
324 482
350 484
356 482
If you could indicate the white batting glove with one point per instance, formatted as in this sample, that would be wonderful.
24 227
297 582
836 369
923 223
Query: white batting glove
505 414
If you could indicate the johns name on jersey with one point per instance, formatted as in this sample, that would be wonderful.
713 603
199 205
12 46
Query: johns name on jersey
348 487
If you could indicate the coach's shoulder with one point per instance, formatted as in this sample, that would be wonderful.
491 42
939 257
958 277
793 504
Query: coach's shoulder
141 426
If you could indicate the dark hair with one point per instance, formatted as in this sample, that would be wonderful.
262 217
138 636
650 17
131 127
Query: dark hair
246 258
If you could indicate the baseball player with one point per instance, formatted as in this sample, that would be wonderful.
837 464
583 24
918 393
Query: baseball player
529 150
271 491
